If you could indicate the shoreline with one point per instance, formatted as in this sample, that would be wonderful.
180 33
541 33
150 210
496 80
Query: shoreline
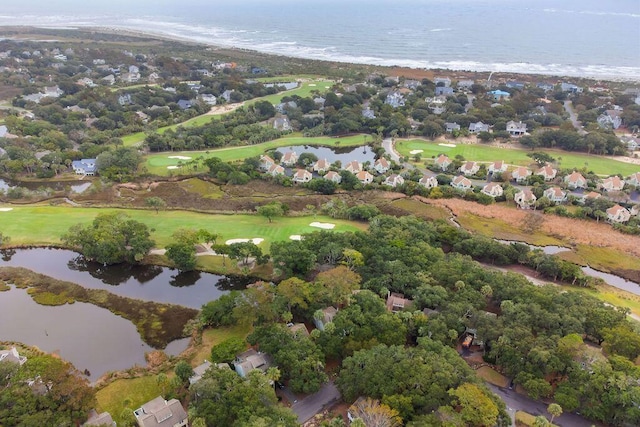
537 70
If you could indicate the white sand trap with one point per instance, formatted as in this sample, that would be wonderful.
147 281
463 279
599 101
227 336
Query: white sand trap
255 241
448 145
295 237
416 151
173 167
325 225
180 157
312 84
5 209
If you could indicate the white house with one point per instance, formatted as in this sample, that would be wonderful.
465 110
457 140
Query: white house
520 174
575 180
634 179
618 214
610 119
364 177
333 176
461 183
492 189
497 167
289 158
555 194
428 181
394 180
525 199
470 168
443 161
353 166
84 167
381 165
250 360
478 127
516 128
322 165
275 170
266 162
547 172
302 176
12 355
612 183
153 413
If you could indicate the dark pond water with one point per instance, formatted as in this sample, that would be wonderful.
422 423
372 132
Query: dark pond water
75 186
345 155
146 282
614 280
550 250
90 337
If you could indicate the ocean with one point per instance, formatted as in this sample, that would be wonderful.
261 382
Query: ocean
584 38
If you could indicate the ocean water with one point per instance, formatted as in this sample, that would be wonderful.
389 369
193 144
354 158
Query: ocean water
591 38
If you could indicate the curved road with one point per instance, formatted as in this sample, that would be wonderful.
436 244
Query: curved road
568 106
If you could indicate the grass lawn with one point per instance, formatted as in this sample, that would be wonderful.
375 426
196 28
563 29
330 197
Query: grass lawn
496 228
482 153
127 393
43 225
211 337
490 375
157 163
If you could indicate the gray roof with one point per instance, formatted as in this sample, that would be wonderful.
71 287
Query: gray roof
160 413
12 355
103 419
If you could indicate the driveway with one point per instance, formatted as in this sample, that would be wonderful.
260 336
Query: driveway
568 106
518 402
312 404
387 144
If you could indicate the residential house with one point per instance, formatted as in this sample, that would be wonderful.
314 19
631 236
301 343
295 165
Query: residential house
184 104
635 210
442 81
547 87
525 199
322 165
319 101
226 95
394 180
266 162
443 161
381 165
465 84
444 91
250 360
289 158
436 104
516 128
298 329
634 179
208 98
515 85
632 142
282 124
451 127
353 166
99 420
470 168
364 177
302 176
283 107
84 167
493 189
3 133
397 302
130 77
428 181
618 214
395 99
333 176
478 127
368 113
461 183
125 99
275 170
12 355
86 81
497 167
199 371
411 84
592 195
575 180
547 172
555 195
570 87
521 174
499 95
110 79
610 119
144 118
160 413
324 316
612 183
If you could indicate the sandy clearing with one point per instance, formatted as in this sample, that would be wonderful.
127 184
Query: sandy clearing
180 157
416 151
5 209
255 241
295 237
448 145
172 167
324 225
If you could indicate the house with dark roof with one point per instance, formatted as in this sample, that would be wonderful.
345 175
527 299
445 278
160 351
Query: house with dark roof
450 127
184 104
444 91
161 413
250 360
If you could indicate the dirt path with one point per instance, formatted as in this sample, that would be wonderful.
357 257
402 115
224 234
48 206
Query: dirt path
223 109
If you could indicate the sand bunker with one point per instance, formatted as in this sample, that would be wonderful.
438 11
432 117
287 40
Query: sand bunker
448 145
325 225
180 157
255 241
311 84
416 151
295 237
172 167
5 209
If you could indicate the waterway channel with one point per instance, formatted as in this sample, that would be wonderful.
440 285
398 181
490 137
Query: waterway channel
362 154
77 187
92 337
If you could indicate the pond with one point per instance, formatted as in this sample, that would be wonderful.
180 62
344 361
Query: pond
549 250
362 153
77 187
146 282
613 280
88 336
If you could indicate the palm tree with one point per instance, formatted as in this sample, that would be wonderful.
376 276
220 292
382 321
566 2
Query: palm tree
540 421
555 410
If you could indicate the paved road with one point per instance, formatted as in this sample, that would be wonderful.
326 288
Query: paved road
311 405
387 144
568 106
517 402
